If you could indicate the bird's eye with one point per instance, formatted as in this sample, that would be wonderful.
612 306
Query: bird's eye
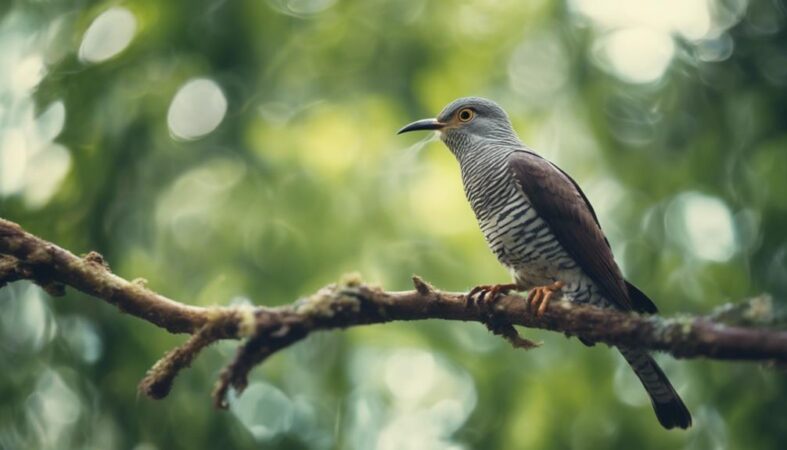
466 115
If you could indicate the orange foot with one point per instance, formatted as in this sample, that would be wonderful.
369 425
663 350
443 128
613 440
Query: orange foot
490 291
538 298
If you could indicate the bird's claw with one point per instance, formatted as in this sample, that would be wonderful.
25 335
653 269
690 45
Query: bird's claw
538 298
489 292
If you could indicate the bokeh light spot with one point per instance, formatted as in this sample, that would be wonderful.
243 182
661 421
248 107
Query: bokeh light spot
31 165
26 323
50 122
46 170
109 34
410 374
636 38
717 49
426 400
198 108
637 55
538 68
703 225
53 408
82 338
690 18
13 159
27 73
190 207
264 410
300 8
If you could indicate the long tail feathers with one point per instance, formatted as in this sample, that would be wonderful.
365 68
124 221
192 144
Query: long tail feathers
641 302
668 406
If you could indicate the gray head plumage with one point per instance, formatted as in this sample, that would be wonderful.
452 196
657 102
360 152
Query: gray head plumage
470 124
483 107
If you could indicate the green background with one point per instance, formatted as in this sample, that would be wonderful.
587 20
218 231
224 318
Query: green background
671 115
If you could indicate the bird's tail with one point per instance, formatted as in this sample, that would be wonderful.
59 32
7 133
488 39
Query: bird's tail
668 406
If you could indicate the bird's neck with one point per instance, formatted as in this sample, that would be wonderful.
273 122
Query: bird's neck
484 152
483 161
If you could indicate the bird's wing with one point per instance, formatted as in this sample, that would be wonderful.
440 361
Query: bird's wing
558 200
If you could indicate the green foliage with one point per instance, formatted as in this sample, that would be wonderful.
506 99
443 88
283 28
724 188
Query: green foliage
281 170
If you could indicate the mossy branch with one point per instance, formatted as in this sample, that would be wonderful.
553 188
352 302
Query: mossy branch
742 331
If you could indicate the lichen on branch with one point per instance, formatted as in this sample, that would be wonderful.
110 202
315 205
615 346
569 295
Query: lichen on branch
747 331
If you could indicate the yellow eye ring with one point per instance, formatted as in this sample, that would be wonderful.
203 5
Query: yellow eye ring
465 115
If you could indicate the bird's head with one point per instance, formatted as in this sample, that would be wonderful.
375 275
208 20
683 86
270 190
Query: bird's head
466 121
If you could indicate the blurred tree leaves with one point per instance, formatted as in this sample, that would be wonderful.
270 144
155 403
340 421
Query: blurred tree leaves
303 179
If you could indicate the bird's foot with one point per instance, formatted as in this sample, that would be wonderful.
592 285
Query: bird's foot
489 292
538 298
485 296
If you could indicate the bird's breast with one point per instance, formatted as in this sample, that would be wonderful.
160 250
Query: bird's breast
521 239
514 230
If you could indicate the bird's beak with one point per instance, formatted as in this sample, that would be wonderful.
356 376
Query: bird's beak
423 124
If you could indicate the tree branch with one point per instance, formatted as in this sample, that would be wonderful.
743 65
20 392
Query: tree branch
352 302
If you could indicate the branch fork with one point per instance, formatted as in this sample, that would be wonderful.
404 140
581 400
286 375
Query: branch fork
748 331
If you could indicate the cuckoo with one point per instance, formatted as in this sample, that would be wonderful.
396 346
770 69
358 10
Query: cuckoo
541 226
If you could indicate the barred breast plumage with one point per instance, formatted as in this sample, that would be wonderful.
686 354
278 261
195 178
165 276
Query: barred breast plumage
516 234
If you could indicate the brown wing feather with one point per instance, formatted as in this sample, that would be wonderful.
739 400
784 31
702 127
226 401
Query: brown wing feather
562 204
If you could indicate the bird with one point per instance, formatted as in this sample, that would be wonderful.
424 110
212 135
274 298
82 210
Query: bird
542 227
